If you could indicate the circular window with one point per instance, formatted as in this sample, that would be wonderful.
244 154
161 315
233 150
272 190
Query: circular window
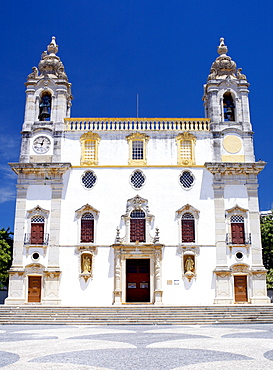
186 179
89 179
137 179
239 255
35 256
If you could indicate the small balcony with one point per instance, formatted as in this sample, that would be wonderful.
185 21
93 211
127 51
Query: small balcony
30 240
245 240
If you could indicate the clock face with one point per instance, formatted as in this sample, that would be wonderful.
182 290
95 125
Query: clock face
41 144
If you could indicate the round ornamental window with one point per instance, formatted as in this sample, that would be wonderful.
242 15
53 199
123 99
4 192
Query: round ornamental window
35 256
137 179
239 255
186 179
89 179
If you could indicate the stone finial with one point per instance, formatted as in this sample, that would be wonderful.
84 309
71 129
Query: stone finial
52 48
222 48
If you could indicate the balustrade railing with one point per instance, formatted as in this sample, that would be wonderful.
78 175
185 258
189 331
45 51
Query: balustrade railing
244 240
28 239
137 124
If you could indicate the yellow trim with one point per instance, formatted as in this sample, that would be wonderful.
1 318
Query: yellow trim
87 137
134 119
233 158
137 136
186 136
146 166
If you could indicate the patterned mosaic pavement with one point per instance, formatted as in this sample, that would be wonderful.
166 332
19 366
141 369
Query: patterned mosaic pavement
216 347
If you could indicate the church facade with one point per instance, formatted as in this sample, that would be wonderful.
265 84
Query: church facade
113 211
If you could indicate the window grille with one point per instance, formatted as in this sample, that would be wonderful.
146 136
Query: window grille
137 226
90 150
185 149
137 149
237 219
87 228
89 179
186 179
38 219
137 179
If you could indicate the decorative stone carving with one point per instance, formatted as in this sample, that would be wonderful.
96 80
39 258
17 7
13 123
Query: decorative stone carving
37 211
220 168
87 208
185 209
33 74
224 67
189 266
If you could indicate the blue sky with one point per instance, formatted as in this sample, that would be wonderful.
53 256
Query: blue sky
114 49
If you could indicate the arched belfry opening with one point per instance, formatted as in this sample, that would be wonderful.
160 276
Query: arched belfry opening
45 107
229 107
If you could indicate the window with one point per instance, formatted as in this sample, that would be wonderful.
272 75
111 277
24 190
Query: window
237 229
137 179
137 226
229 107
37 230
137 148
185 149
45 107
89 152
87 228
89 179
87 218
188 230
186 179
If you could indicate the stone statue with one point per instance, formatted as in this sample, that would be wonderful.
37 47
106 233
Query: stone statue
240 75
189 265
86 265
33 74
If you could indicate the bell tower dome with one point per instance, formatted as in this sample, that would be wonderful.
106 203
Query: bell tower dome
48 102
226 104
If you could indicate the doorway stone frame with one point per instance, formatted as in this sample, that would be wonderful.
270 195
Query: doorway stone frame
137 251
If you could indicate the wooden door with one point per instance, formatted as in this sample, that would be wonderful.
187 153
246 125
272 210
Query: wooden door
137 280
238 233
34 288
87 231
37 233
240 288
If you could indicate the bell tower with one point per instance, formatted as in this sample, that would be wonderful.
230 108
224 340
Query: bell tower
48 102
226 104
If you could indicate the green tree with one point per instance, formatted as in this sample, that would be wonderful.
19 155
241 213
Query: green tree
267 243
6 243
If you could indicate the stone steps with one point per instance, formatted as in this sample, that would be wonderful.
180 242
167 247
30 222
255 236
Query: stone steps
133 314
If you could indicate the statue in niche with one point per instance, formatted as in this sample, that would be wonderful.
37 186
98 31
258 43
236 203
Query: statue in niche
189 265
86 264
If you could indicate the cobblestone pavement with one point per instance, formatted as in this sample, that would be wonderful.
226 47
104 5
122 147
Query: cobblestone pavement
136 347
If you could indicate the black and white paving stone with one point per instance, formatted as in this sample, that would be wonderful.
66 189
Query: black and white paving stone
136 347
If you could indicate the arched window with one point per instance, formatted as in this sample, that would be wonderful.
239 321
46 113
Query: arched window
237 229
137 226
87 228
188 229
45 107
229 107
37 230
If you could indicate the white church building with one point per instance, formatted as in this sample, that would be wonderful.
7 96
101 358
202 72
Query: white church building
113 211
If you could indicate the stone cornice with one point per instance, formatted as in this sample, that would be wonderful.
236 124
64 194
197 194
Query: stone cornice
50 169
235 168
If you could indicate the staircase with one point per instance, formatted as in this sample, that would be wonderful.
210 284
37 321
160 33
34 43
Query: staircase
136 314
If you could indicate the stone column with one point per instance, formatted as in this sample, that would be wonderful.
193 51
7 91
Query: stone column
157 278
254 221
117 282
55 223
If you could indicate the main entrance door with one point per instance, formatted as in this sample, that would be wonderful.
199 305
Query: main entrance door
137 280
34 289
240 288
